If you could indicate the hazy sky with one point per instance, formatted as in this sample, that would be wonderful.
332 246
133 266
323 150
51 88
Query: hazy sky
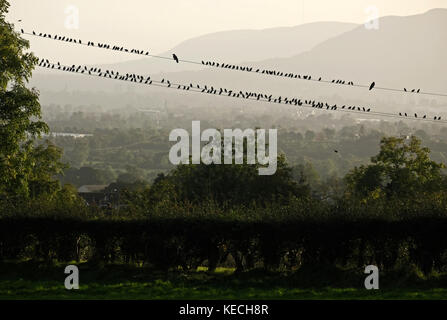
160 25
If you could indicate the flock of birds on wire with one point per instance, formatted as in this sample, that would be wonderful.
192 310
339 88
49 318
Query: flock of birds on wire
269 72
207 89
206 63
95 71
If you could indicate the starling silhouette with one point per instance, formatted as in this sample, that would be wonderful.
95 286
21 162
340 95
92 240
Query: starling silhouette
372 86
175 57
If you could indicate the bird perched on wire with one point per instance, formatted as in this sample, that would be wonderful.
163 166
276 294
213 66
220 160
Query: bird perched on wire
175 57
372 86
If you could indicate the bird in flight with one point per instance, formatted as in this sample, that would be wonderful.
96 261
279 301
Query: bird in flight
175 57
372 86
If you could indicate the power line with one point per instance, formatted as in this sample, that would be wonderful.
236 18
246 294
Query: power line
223 65
205 89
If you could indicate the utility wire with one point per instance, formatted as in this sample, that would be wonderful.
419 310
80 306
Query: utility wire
205 89
227 66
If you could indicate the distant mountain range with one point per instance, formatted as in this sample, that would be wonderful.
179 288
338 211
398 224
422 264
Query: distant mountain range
241 45
407 51
404 52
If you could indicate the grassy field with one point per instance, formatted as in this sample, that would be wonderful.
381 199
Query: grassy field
28 280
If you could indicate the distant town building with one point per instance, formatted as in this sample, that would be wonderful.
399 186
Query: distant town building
98 195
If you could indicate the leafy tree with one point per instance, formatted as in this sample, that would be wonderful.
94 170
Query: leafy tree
79 155
43 166
21 162
310 135
329 133
306 174
401 169
235 184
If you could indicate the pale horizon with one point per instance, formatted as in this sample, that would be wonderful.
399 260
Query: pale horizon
159 26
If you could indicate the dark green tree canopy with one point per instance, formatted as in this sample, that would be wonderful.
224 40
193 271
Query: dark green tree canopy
20 117
235 184
402 168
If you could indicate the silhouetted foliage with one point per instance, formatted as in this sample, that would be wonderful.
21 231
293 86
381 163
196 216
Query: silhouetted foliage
25 168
